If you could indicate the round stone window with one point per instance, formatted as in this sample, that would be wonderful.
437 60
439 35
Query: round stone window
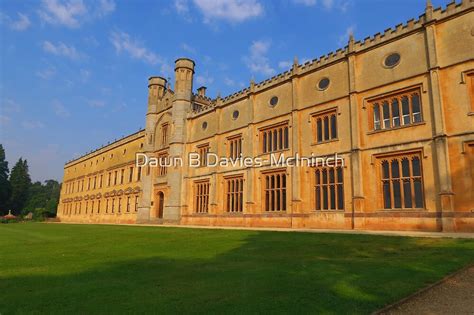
235 114
273 101
204 125
392 60
323 84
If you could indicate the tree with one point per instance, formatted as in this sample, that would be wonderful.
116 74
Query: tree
20 183
43 199
4 183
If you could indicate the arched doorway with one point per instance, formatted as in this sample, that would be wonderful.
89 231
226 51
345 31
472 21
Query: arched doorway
160 204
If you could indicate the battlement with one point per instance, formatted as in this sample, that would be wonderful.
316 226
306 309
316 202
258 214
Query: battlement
106 147
389 34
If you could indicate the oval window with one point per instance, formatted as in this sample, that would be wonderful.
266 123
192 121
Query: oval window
323 84
392 60
204 125
235 114
273 101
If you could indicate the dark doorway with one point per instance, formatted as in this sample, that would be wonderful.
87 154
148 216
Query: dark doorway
161 201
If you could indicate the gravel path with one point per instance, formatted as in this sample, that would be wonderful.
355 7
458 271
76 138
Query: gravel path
454 296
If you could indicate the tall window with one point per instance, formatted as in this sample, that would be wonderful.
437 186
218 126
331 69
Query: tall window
92 207
397 110
128 204
98 206
470 91
130 177
401 181
115 177
139 173
164 134
109 180
203 150
136 203
113 205
275 191
325 126
274 138
107 205
100 181
163 169
201 196
122 173
234 190
119 205
329 188
234 147
89 183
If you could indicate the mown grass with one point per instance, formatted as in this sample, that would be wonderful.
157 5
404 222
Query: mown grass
53 268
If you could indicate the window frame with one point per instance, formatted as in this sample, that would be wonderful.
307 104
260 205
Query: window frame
272 131
201 193
321 115
385 113
280 193
400 156
328 185
234 199
234 146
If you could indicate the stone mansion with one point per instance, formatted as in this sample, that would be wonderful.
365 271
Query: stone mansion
397 108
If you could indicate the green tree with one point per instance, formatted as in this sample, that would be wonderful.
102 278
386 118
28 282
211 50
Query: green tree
43 198
4 183
20 184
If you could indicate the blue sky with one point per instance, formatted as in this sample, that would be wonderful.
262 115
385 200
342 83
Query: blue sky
73 73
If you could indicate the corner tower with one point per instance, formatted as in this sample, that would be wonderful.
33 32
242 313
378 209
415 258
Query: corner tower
184 71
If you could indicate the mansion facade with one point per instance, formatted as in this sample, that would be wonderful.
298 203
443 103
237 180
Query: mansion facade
397 108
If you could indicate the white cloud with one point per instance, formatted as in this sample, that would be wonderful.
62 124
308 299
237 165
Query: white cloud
10 106
204 79
105 7
181 6
32 124
229 10
285 64
73 13
4 119
60 110
188 48
229 81
305 2
124 42
61 49
326 4
84 74
47 73
257 61
344 38
96 103
21 24
67 13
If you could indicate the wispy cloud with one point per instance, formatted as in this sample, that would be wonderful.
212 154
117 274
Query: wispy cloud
341 5
61 49
47 73
204 79
22 23
343 38
60 110
123 42
4 119
229 82
284 64
96 103
257 60
32 124
10 106
73 13
227 10
188 48
84 74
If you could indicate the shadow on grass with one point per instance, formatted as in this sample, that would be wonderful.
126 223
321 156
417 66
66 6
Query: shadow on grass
268 273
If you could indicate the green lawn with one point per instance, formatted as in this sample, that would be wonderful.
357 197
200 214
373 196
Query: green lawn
52 268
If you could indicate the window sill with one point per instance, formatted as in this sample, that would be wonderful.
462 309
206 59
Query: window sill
470 114
396 128
273 152
325 141
402 210
328 211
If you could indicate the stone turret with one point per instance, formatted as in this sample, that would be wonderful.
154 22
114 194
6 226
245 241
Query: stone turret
156 90
184 71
